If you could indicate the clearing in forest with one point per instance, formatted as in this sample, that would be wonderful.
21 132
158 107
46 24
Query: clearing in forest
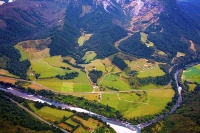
83 38
145 68
89 55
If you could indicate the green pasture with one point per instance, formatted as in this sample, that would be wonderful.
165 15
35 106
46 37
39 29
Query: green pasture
144 39
157 100
83 38
136 104
76 85
97 64
39 66
82 87
111 80
52 60
89 55
82 78
29 53
50 113
150 86
144 68
52 83
129 96
52 72
192 74
71 122
67 87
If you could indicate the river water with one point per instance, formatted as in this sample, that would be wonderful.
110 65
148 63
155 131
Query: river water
118 126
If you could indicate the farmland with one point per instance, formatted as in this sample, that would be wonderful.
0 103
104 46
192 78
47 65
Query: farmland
67 119
192 74
137 104
110 80
144 68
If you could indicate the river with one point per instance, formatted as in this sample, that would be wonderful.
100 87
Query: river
118 126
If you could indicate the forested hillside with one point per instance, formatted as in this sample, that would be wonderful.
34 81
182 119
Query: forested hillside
14 119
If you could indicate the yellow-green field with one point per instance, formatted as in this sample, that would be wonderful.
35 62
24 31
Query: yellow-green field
191 87
96 64
89 55
115 81
144 68
144 39
83 38
29 51
53 115
136 104
192 74
50 113
78 84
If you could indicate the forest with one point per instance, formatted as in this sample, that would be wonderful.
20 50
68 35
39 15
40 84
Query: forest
95 75
13 116
134 46
119 63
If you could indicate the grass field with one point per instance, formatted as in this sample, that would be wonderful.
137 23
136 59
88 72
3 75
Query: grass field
96 64
48 67
89 55
150 86
135 104
50 113
82 88
53 60
52 83
144 39
192 74
39 65
157 100
144 68
28 49
84 38
191 87
52 72
111 80
82 78
79 84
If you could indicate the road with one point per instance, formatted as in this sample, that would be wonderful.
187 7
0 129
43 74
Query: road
36 116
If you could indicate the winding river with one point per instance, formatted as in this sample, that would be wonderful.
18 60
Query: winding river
118 126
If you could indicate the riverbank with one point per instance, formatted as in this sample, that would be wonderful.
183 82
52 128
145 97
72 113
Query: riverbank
118 126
